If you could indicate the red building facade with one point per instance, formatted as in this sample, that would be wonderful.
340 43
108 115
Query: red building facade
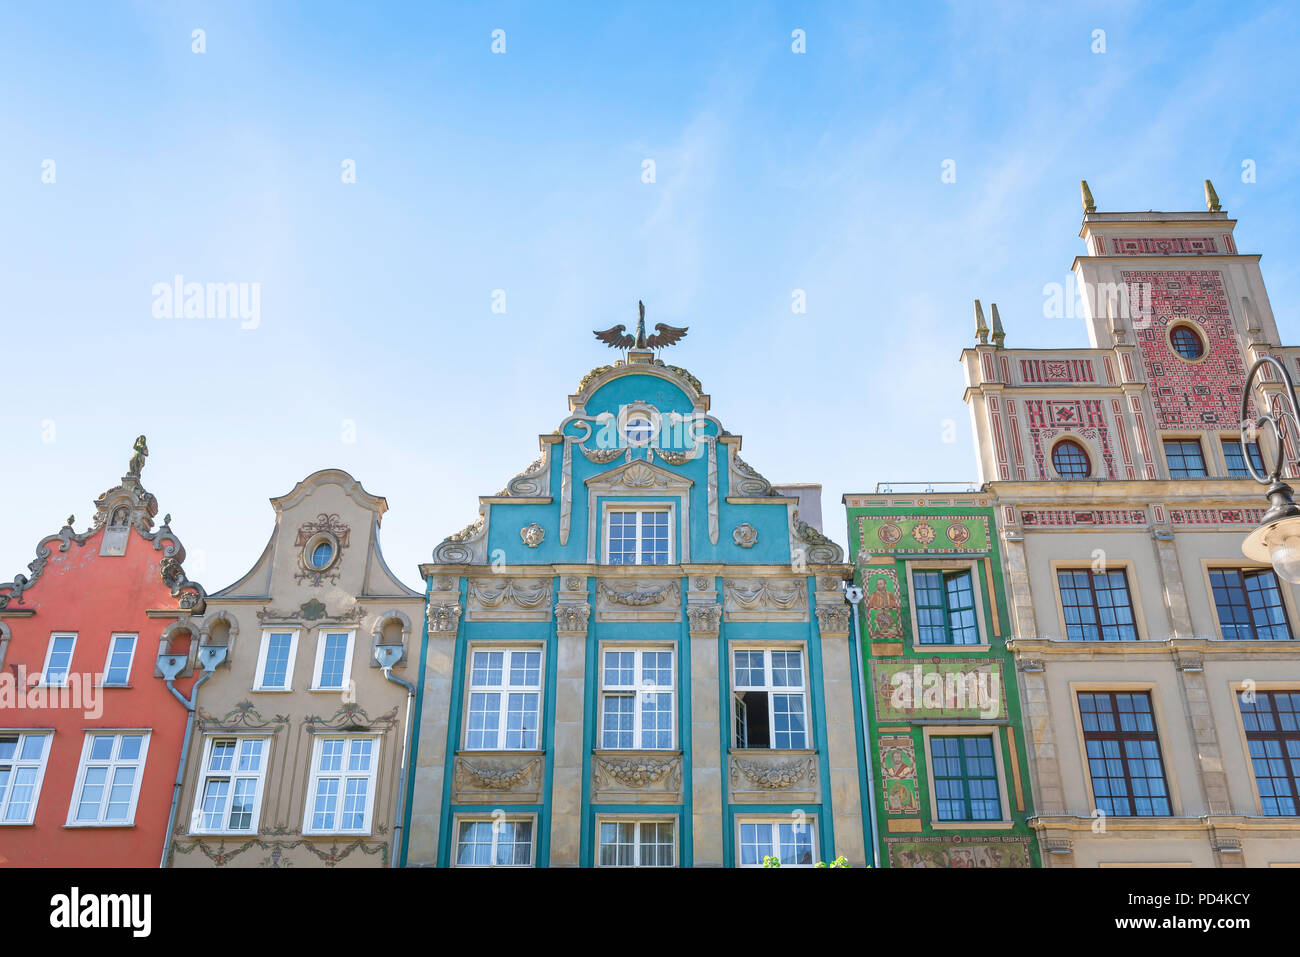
90 734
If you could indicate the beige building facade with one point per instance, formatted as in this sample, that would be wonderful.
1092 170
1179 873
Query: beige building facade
1158 667
300 734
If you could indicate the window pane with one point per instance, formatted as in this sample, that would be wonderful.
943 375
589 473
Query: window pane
333 661
487 668
750 671
119 660
276 672
618 721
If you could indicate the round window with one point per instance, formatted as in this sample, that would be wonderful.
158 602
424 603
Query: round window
321 555
1186 342
1070 460
639 430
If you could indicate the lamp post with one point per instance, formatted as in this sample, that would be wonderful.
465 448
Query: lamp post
1277 540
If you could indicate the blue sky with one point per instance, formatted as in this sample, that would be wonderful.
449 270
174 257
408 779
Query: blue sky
522 171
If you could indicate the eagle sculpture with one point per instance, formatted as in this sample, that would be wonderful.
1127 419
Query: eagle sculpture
619 338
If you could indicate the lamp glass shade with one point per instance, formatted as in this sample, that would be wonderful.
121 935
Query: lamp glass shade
1285 556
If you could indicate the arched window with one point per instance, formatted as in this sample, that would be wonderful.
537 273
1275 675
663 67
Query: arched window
1070 460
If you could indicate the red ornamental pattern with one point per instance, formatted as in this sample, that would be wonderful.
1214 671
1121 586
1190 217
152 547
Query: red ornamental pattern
1183 246
1086 418
1074 517
1190 394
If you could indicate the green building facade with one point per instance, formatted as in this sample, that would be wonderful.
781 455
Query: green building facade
950 777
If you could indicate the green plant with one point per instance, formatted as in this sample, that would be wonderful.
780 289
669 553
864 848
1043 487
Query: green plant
841 861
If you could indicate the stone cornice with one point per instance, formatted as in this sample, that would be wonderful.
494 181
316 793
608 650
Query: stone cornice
1066 650
844 570
1286 828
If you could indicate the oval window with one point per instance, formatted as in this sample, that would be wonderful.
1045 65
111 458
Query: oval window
1070 460
1186 343
639 430
321 555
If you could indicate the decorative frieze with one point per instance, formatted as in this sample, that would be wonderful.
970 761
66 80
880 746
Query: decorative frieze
774 776
488 778
509 599
765 599
638 599
636 776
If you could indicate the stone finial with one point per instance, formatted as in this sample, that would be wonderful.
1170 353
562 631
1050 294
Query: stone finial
71 519
999 334
1089 204
1211 198
167 519
981 327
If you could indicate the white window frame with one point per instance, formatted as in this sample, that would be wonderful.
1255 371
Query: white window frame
637 822
130 659
772 690
321 637
529 819
206 774
635 691
260 674
505 689
112 765
17 763
641 509
343 775
49 650
774 824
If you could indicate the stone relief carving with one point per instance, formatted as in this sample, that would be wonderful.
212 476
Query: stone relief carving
745 482
505 778
532 535
636 774
532 482
571 619
328 524
774 777
819 550
462 547
602 456
833 619
704 619
311 610
444 617
766 593
745 535
524 593
638 595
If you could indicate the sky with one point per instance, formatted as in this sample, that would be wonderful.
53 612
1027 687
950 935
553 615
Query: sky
433 229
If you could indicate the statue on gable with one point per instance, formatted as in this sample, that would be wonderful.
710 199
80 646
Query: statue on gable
137 460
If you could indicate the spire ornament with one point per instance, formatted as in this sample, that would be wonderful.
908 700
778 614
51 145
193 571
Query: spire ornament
1089 204
999 334
618 337
981 327
1211 198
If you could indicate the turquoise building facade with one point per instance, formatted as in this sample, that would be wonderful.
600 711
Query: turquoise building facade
638 654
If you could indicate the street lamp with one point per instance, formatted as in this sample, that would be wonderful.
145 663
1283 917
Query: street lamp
1277 540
